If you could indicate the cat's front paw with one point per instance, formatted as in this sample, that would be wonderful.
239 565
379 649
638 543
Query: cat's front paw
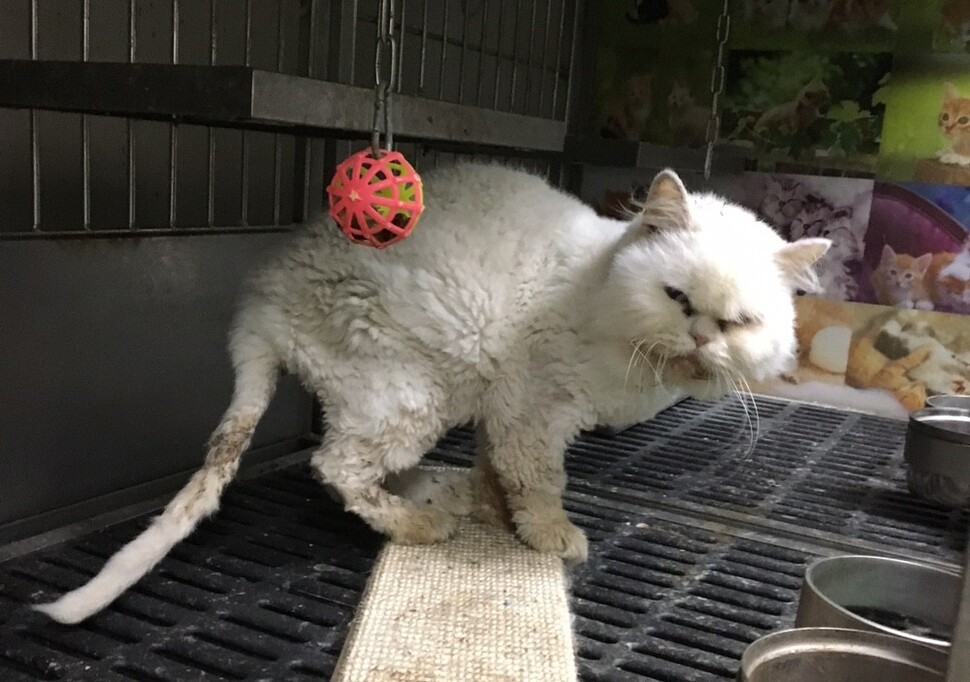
552 534
924 305
423 526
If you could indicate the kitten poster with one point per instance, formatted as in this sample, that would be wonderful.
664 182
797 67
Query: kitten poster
926 134
953 29
876 359
643 92
805 110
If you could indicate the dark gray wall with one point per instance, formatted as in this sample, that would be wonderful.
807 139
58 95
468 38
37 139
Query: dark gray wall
113 367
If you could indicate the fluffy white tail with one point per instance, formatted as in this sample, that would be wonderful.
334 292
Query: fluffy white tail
197 500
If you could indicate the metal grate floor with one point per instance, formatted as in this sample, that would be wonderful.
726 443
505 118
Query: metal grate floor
697 549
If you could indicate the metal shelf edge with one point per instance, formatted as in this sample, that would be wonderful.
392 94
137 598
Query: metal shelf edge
239 95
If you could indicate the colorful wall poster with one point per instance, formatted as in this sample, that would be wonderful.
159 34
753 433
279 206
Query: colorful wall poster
926 133
953 28
875 359
811 109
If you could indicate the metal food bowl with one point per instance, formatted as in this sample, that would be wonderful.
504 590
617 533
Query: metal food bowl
938 455
906 599
836 655
960 402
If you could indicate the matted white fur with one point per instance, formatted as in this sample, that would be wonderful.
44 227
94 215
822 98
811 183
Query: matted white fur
512 305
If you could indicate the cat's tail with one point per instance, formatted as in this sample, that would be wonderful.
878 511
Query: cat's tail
256 370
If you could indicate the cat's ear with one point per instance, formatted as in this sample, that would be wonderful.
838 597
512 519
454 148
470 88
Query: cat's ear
795 261
923 262
950 92
667 186
887 253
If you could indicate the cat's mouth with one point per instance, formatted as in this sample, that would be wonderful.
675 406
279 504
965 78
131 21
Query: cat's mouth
689 367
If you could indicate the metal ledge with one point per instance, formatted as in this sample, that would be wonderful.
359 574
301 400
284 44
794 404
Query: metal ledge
241 95
625 154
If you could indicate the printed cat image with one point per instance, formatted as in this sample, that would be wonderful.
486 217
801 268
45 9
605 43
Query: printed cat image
801 112
513 306
769 13
783 199
627 114
956 20
819 219
954 123
898 280
672 12
808 15
687 120
948 280
943 371
853 15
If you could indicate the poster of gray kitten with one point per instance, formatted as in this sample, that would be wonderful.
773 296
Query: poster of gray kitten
805 206
512 305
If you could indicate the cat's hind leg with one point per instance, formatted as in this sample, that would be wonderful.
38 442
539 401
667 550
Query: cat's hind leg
367 441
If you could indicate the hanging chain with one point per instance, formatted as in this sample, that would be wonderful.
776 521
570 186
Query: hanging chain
384 82
717 88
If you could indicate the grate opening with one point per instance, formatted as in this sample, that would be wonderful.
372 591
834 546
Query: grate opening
200 661
137 674
33 666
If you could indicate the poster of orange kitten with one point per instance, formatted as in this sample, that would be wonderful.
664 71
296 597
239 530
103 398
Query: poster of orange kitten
954 123
898 280
627 113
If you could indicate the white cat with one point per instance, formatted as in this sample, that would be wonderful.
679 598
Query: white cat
512 305
819 219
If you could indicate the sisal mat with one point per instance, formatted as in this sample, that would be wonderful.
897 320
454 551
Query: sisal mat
479 608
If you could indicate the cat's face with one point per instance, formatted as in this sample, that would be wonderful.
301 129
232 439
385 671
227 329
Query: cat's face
783 200
706 289
954 118
902 271
679 98
639 89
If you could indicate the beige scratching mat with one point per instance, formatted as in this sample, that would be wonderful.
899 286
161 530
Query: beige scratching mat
479 608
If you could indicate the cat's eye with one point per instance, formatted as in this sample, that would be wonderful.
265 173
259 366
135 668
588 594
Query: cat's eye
963 120
908 275
740 321
678 296
945 117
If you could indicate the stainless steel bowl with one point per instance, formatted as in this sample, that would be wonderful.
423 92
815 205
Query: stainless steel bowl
906 599
836 655
938 454
959 402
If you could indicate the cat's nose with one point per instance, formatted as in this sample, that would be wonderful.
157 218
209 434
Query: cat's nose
700 339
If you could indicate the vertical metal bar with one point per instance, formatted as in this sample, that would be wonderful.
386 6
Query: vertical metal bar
573 61
558 65
528 62
34 142
515 52
173 139
545 50
481 53
307 155
424 44
277 142
464 50
312 41
244 166
498 52
132 46
444 52
210 133
351 53
400 51
85 128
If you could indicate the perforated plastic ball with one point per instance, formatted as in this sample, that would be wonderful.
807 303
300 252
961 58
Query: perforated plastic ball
376 200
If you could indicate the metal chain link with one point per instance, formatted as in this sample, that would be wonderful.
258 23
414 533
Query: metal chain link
717 88
386 41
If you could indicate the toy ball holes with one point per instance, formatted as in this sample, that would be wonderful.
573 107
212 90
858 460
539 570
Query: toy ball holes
376 201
